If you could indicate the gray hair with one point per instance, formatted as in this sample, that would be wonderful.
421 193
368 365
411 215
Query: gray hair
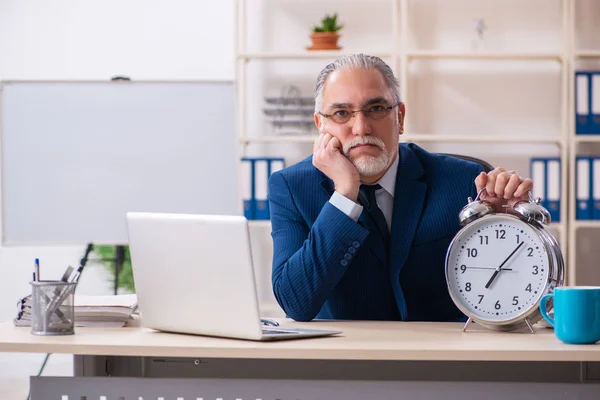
356 61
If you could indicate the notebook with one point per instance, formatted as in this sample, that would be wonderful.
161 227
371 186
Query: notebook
194 274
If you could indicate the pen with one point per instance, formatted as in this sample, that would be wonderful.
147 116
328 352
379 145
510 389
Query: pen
55 303
58 299
77 274
58 295
36 270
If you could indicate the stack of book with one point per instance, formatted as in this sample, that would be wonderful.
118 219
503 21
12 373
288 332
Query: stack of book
90 311
291 113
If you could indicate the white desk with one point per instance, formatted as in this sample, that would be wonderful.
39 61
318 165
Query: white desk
370 360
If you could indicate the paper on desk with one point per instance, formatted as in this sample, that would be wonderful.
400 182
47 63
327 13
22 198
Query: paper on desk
120 300
112 310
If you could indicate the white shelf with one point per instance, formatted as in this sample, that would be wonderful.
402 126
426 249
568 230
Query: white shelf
314 54
416 137
424 137
587 224
587 138
587 53
499 55
279 139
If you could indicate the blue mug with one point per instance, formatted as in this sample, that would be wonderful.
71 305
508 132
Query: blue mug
576 314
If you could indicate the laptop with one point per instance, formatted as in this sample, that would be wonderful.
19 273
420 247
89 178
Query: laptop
194 274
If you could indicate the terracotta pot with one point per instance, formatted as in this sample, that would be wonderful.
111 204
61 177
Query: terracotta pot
324 41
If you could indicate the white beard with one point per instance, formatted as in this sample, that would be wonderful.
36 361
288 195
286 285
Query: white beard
371 166
368 165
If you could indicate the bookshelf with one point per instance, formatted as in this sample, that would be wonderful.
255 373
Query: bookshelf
584 54
444 56
485 55
428 44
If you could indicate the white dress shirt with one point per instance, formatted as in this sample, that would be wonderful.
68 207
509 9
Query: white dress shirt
384 197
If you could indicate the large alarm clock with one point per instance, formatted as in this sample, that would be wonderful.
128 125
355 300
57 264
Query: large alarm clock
501 263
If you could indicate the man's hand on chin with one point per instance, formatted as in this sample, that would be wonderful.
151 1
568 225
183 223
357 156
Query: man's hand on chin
329 158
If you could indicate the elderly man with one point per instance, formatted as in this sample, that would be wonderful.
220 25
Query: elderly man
361 227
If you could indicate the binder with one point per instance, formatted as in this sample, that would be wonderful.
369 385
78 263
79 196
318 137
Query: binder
583 124
261 179
255 181
553 186
595 180
595 102
538 175
247 183
583 188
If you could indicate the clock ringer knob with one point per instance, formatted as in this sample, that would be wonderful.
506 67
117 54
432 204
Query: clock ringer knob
532 210
475 209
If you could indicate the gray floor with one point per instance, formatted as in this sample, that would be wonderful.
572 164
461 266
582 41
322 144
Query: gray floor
18 367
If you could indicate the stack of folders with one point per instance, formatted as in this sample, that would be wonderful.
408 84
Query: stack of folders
255 181
90 311
587 102
546 175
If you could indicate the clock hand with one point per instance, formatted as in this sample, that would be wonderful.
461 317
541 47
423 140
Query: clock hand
503 269
487 285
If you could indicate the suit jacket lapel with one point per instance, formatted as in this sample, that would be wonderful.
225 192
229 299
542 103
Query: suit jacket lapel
409 198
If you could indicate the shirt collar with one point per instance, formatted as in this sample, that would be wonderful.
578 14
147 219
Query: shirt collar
388 180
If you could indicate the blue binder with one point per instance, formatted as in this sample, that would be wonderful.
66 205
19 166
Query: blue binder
261 180
537 171
247 182
595 189
553 188
546 176
595 102
255 179
583 188
583 90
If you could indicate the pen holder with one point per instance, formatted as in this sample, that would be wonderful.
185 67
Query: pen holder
52 311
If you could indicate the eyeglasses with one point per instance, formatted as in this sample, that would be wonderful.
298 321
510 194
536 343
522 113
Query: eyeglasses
374 112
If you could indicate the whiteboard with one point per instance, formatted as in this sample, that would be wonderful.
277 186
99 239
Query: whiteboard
77 156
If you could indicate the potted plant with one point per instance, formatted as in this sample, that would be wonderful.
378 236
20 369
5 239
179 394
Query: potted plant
107 256
325 36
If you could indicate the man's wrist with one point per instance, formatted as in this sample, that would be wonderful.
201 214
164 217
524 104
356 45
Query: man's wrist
346 205
349 191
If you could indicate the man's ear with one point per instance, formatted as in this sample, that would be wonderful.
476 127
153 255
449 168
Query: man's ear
318 121
401 117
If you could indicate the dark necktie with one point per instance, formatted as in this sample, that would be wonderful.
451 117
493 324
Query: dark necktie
369 202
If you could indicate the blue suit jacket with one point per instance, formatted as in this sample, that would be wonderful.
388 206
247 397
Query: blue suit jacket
326 266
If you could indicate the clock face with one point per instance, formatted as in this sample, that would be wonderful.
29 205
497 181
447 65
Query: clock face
497 268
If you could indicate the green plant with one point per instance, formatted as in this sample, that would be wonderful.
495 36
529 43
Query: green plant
106 256
328 24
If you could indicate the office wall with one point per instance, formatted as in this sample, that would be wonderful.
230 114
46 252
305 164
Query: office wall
72 39
152 39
